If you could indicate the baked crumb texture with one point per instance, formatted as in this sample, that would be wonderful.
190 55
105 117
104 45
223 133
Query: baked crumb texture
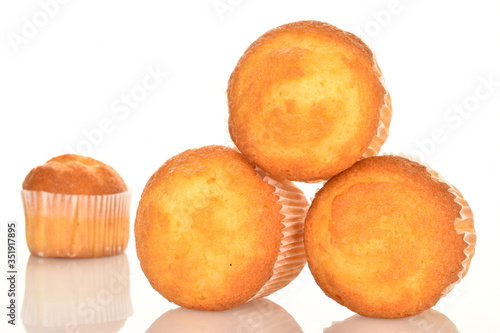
74 174
388 238
213 232
307 100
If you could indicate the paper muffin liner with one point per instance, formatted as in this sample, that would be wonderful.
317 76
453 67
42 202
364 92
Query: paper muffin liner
384 121
291 257
76 295
464 223
76 226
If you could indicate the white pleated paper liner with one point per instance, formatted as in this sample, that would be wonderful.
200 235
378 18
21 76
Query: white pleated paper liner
384 121
76 226
291 258
76 295
262 315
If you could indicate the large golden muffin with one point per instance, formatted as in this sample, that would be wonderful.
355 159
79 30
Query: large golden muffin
75 206
212 232
306 101
387 238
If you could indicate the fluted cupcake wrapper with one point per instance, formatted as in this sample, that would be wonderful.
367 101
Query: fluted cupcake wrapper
464 223
384 121
291 258
76 226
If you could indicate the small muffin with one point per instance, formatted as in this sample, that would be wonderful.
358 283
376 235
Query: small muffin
306 101
75 207
388 238
212 232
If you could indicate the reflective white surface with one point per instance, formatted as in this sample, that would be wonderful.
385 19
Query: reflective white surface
260 315
87 295
428 321
94 295
134 83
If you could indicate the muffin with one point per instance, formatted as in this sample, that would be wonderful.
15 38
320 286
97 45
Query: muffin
75 207
388 237
213 232
306 101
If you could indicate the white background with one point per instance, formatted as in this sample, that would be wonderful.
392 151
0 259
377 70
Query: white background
65 75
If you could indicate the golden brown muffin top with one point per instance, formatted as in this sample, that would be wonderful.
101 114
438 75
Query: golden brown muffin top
381 237
74 174
305 100
208 229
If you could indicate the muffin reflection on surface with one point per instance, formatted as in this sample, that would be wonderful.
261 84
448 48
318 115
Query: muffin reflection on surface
76 295
261 315
428 321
